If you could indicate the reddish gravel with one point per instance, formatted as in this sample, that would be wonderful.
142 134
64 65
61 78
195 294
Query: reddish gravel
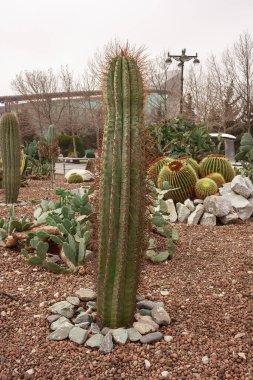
210 300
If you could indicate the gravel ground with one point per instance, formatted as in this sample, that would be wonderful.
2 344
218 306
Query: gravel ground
210 300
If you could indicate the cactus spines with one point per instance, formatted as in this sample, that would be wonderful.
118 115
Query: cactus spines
205 187
217 178
156 166
10 151
122 201
180 176
75 178
217 163
192 162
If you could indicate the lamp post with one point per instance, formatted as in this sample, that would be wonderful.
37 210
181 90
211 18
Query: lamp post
182 59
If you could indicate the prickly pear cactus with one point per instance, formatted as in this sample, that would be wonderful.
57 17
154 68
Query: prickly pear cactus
10 151
122 187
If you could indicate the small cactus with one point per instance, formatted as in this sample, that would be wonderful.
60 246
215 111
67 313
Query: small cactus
217 178
205 187
75 178
10 152
181 177
217 163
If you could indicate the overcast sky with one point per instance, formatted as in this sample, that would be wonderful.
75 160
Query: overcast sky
38 34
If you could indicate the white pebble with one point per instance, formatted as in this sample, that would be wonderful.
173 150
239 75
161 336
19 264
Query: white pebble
242 355
42 304
3 313
56 295
30 371
168 338
165 374
147 364
164 292
205 360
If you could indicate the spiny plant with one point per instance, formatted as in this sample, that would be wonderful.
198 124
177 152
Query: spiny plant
205 187
1 173
192 162
122 189
217 178
10 152
181 177
75 178
217 163
155 168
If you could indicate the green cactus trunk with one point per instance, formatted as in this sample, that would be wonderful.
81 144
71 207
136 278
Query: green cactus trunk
122 202
10 151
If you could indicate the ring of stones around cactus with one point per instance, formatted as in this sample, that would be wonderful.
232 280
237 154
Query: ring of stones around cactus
75 319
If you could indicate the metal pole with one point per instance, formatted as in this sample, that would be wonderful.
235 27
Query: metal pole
182 88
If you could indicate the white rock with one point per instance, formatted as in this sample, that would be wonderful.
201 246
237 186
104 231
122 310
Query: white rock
61 322
249 184
63 308
189 204
217 205
165 374
241 205
205 359
239 186
242 355
168 338
231 218
30 371
208 220
198 201
86 174
147 364
196 215
182 212
226 188
171 210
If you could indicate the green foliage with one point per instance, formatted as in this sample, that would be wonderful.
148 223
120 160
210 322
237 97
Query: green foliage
12 224
205 187
89 153
181 178
66 145
246 170
75 178
10 152
32 150
217 178
217 164
245 153
177 138
122 204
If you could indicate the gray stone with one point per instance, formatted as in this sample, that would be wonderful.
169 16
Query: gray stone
226 188
60 334
64 308
73 300
218 206
105 330
249 184
53 317
171 210
86 294
159 303
80 310
94 328
145 312
160 316
83 317
189 204
145 304
78 335
139 298
196 215
146 319
241 205
61 322
198 202
133 334
208 220
151 245
120 335
143 327
151 338
83 325
92 305
239 186
182 212
94 341
230 218
106 345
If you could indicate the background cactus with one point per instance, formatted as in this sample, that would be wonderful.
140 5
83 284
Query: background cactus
75 178
10 152
122 187
217 164
217 178
205 187
181 176
192 162
156 166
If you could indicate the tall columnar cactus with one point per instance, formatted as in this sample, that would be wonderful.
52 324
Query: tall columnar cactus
10 151
122 187
217 163
180 176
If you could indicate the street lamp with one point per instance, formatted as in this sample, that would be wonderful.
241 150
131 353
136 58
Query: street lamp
182 59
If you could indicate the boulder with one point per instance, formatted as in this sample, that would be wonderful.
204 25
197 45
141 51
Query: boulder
208 220
231 218
196 215
241 205
217 205
171 209
225 189
198 202
189 204
182 212
239 186
249 184
85 174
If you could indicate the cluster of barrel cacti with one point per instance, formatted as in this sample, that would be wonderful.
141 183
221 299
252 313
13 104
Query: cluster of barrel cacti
122 191
185 176
11 158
